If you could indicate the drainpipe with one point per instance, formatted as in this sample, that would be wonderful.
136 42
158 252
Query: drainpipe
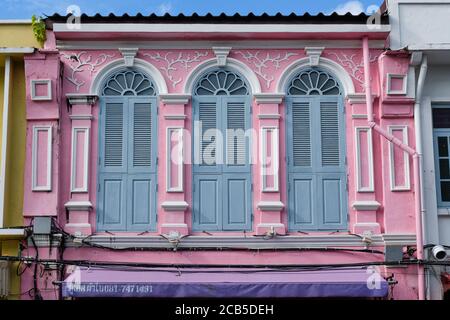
6 102
416 161
418 130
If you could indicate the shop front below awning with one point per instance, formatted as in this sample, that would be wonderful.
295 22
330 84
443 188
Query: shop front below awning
224 283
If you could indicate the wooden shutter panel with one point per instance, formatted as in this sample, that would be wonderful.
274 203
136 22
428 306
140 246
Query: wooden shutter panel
235 134
114 135
329 130
142 135
207 202
208 118
141 186
127 179
302 208
317 174
236 171
236 202
301 134
222 192
207 179
331 178
331 201
112 177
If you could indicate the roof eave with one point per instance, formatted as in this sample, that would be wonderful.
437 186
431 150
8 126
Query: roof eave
97 31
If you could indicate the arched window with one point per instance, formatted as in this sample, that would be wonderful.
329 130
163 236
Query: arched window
127 153
220 83
316 152
128 83
221 171
314 82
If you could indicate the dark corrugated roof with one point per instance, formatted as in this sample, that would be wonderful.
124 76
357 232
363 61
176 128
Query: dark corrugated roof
222 18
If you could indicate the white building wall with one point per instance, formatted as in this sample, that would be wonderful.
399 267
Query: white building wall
424 26
419 24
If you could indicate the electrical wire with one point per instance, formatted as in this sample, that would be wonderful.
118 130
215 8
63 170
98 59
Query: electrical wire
37 294
89 263
178 248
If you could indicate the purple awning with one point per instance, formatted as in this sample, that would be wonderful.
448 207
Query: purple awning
224 283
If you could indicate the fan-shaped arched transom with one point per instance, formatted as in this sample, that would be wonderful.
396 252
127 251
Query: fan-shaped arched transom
129 83
314 82
221 83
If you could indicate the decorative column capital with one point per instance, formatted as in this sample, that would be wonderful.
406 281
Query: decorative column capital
269 98
128 55
314 54
221 55
81 99
175 98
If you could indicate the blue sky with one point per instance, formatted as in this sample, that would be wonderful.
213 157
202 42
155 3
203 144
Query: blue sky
24 9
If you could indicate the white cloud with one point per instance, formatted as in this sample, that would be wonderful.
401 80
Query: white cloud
354 7
165 7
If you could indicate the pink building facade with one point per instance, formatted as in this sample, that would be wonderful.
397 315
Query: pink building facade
112 109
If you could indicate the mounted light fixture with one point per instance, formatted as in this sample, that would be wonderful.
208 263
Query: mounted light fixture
439 252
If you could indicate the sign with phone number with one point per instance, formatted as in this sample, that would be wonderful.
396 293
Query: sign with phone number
110 289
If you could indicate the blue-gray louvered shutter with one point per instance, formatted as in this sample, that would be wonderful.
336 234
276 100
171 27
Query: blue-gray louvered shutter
316 168
141 191
302 185
113 165
236 170
207 178
331 176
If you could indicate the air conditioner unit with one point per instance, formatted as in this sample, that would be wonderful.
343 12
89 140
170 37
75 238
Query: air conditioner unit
4 279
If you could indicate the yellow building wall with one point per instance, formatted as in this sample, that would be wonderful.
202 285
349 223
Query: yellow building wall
14 36
16 148
15 164
17 35
2 96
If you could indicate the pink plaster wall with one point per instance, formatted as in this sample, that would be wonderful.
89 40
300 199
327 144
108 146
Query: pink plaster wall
396 214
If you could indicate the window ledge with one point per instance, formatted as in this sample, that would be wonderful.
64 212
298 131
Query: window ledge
12 234
78 205
366 205
270 205
175 205
443 211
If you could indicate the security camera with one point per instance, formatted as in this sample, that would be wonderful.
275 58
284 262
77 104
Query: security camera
439 252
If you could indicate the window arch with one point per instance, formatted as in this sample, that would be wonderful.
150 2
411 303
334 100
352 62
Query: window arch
221 171
316 152
128 83
314 82
221 83
127 152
